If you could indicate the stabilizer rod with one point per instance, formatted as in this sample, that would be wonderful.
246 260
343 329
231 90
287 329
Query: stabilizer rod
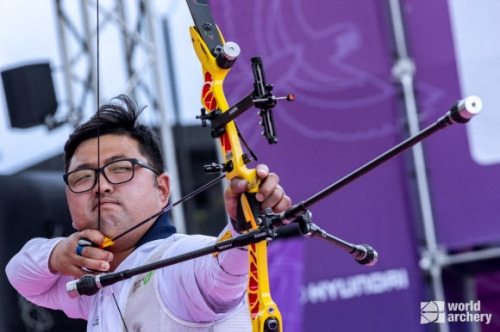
461 112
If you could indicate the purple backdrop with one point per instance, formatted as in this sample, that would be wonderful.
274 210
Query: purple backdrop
336 57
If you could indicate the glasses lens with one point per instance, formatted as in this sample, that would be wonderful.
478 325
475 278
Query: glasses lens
119 171
81 180
116 172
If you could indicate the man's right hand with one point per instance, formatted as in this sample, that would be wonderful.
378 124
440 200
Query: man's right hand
65 260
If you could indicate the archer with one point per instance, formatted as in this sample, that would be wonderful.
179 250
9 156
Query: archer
115 179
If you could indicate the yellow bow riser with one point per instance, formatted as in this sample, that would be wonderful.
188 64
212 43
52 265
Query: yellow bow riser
264 313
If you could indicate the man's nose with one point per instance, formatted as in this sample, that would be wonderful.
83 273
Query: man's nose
102 184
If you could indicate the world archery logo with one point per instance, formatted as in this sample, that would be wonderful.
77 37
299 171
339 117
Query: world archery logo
432 312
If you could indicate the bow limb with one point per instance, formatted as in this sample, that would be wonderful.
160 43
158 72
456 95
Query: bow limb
264 313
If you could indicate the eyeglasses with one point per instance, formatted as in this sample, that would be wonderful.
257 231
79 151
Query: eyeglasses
115 172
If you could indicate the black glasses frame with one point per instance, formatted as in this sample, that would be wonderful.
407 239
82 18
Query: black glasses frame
101 170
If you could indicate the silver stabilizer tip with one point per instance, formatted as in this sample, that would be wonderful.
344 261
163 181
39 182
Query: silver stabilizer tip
469 106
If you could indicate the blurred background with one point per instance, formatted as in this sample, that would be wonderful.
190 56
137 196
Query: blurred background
366 75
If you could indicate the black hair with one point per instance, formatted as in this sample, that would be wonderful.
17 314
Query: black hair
120 118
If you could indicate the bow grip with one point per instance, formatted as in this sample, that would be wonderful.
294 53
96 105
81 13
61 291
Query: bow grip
248 207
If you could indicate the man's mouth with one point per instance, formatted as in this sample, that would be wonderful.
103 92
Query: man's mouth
103 202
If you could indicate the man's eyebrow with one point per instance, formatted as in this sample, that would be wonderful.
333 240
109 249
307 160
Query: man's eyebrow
82 166
113 158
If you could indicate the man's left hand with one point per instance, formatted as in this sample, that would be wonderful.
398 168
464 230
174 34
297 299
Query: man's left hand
270 194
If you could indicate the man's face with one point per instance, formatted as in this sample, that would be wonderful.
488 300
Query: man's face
121 205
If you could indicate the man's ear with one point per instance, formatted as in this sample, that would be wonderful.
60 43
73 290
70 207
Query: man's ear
164 188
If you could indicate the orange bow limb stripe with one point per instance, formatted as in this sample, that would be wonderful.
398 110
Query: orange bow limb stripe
264 313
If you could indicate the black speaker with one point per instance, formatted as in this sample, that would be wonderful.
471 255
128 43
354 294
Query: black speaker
204 213
30 95
32 204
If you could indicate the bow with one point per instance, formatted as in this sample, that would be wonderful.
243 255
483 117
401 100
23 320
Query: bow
217 57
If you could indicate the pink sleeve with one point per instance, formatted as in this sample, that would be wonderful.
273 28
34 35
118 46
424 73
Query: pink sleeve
206 288
29 274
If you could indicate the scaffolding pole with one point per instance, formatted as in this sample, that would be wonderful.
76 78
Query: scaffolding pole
404 72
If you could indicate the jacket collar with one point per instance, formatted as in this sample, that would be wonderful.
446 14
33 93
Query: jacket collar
161 229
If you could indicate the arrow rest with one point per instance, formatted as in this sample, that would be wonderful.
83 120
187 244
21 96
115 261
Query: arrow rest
217 168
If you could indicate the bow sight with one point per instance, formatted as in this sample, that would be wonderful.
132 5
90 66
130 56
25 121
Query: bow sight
261 97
